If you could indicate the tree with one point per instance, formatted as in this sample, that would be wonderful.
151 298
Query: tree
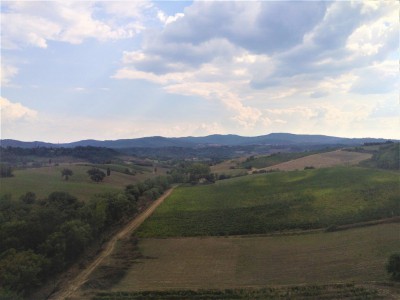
65 173
5 170
28 198
96 175
21 271
198 171
77 236
393 266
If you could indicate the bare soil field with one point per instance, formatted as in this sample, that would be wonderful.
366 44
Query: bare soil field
322 160
355 255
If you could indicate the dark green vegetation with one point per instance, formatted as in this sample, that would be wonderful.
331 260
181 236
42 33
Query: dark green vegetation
6 170
22 156
393 266
66 173
277 201
387 156
96 174
333 291
41 237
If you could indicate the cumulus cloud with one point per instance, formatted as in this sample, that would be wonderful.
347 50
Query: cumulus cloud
35 23
168 19
11 111
309 48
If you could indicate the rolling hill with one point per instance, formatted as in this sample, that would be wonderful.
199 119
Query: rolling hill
210 140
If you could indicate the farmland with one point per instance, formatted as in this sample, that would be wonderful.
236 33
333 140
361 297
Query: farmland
277 201
356 255
322 160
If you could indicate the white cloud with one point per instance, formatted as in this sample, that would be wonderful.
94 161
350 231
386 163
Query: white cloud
7 73
126 9
35 23
11 112
168 19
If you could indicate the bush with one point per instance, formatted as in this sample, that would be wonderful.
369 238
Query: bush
96 174
393 266
5 171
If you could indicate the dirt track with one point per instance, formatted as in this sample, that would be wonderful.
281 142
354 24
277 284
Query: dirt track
78 281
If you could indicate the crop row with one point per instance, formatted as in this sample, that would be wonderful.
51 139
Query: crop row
332 291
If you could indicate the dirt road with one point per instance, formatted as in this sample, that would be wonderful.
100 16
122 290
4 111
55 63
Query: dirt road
79 280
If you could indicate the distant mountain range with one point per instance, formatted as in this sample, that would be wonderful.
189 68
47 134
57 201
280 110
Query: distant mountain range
210 140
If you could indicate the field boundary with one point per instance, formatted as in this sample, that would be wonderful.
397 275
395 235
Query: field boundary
395 219
81 278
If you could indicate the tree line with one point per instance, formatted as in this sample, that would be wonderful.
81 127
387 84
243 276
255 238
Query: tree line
17 155
42 237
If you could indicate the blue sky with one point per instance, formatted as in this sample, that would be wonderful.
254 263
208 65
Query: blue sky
73 70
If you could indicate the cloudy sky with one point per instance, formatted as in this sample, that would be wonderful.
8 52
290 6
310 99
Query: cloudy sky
73 70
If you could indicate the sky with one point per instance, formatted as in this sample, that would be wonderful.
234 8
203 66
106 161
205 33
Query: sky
107 70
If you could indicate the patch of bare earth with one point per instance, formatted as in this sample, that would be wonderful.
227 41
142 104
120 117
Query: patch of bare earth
322 160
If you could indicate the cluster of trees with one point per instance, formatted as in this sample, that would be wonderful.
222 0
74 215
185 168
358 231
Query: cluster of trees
187 172
5 170
41 237
17 155
387 157
96 174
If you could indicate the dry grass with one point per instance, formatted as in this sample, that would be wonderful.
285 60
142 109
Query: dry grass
356 255
229 167
322 160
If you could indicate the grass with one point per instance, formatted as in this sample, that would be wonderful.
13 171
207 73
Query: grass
229 167
45 180
352 256
278 201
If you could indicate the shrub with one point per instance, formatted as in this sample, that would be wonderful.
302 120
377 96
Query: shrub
393 266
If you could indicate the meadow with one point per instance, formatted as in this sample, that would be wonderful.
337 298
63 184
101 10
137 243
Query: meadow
266 203
45 180
351 256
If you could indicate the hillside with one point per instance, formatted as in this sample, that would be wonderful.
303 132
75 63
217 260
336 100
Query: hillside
216 139
277 201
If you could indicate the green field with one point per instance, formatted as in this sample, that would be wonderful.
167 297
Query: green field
45 180
278 201
351 256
